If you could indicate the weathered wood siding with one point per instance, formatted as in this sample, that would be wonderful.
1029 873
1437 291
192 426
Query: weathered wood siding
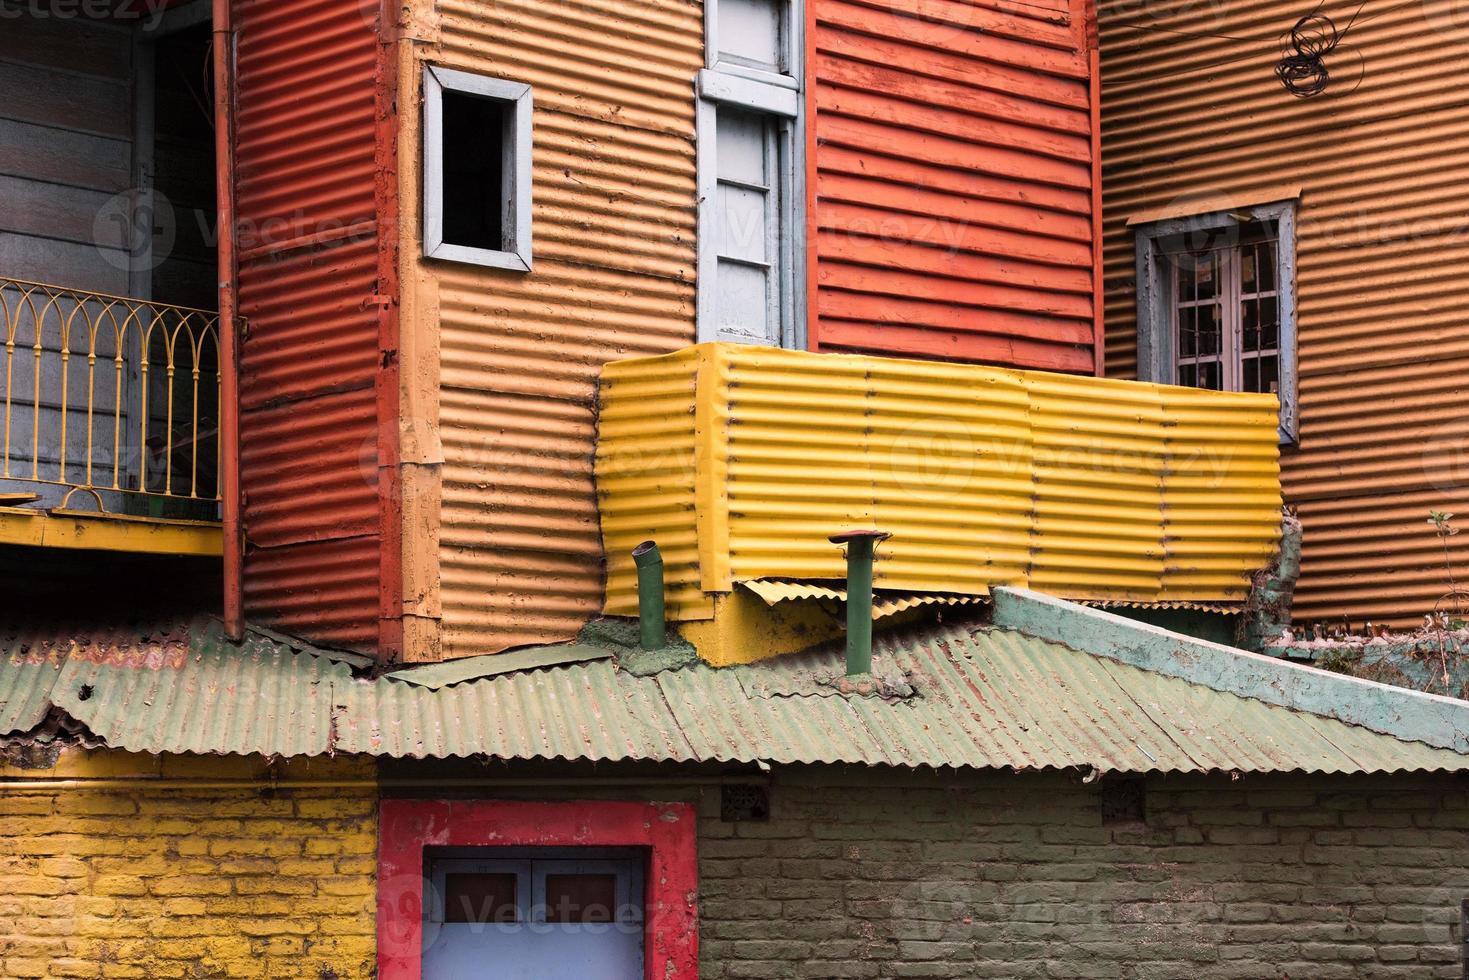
953 175
65 150
66 165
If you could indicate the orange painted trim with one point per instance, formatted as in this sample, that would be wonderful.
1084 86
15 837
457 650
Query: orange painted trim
229 366
808 82
388 380
1099 285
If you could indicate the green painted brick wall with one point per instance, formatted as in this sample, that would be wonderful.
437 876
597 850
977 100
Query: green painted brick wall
1299 877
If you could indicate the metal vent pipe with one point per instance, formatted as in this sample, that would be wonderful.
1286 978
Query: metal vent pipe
861 547
652 627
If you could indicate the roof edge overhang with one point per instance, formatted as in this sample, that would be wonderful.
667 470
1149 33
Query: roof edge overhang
1411 716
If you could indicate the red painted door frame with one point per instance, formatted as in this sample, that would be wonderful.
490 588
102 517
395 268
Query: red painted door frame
667 830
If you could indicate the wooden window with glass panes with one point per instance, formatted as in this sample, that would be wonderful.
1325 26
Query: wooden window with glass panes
1226 312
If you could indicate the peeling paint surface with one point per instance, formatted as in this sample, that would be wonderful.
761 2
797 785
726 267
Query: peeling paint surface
956 696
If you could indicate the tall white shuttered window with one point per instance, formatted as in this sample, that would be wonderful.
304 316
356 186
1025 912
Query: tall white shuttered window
750 234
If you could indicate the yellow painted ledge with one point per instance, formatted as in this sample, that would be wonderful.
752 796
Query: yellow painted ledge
109 532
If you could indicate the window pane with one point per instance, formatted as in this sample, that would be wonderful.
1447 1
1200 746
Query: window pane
1206 275
750 32
1250 322
475 204
1188 375
1247 270
1209 329
581 898
741 146
1185 266
1188 332
1210 376
480 898
743 222
1269 374
1250 374
743 295
1267 260
1269 323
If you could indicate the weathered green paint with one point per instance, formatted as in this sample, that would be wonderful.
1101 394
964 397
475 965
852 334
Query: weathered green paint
860 547
651 624
1268 613
1410 715
957 695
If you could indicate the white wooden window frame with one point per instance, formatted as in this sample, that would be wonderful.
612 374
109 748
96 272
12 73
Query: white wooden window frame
1157 315
515 169
777 95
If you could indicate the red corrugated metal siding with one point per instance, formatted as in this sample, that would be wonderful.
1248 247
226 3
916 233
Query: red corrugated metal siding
952 181
307 91
319 589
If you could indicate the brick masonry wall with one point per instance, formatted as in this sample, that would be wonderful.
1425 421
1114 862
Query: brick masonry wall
1306 878
856 875
155 883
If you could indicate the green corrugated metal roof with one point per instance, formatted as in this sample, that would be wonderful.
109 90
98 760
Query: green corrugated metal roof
980 697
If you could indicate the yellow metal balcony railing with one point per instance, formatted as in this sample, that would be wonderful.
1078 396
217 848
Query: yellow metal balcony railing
112 396
742 461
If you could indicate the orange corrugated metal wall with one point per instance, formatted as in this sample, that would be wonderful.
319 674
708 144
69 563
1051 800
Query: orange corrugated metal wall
1192 122
308 212
952 181
519 552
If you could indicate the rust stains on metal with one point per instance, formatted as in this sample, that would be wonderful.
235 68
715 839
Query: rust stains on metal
309 127
1192 122
955 695
519 353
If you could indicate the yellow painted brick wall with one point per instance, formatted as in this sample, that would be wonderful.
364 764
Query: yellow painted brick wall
190 878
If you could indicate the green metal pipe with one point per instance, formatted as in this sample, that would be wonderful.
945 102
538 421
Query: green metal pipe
861 546
652 627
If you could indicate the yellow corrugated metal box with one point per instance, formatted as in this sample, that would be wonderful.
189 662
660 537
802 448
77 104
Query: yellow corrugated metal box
741 461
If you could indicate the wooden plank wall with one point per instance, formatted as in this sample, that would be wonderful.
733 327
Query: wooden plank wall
66 154
65 150
952 207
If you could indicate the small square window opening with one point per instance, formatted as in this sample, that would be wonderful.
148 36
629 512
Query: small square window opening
739 802
1124 801
476 169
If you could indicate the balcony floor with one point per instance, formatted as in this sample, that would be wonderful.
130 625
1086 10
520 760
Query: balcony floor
91 531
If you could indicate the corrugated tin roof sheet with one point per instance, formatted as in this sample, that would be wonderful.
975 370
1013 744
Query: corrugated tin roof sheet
885 602
981 697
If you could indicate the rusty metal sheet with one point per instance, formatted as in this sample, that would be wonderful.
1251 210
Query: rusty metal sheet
327 590
1378 234
951 182
204 695
1213 607
307 196
436 676
519 354
955 696
27 675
